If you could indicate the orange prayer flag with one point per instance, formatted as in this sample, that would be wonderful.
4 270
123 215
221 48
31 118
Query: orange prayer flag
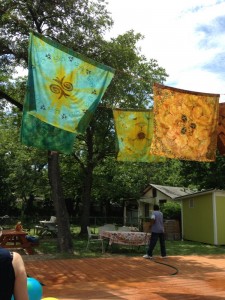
185 124
221 129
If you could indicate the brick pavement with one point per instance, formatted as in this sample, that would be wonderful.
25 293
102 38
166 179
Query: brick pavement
131 278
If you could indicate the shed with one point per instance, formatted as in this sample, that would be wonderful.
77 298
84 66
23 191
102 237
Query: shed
203 216
158 194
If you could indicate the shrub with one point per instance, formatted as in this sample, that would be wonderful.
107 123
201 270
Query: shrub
171 210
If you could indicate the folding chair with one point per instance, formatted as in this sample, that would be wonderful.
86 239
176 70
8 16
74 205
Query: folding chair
94 238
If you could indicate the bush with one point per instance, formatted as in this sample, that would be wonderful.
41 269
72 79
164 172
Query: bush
171 210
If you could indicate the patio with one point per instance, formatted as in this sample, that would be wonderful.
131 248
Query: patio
133 278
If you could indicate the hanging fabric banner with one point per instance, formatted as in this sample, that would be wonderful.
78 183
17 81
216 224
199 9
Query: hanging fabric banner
41 135
67 86
134 131
185 124
221 129
64 89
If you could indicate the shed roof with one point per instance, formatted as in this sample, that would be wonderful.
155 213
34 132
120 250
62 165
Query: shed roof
171 191
198 193
179 193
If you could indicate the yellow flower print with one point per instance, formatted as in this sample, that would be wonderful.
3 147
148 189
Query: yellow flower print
185 124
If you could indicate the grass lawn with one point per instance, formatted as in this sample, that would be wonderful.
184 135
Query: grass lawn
48 245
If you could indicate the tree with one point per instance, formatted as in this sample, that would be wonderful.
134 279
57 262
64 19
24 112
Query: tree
23 172
202 175
131 87
80 25
82 20
74 23
168 173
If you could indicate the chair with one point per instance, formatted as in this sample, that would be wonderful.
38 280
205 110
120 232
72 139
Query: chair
128 228
124 228
47 227
53 219
108 227
94 238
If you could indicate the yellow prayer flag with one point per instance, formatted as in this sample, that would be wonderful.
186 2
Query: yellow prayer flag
134 131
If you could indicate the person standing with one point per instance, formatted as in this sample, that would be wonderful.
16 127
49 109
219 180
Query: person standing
157 232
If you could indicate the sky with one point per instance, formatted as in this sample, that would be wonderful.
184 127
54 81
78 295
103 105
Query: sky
186 37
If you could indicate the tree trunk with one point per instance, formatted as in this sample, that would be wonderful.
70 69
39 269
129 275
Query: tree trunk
86 199
65 243
87 184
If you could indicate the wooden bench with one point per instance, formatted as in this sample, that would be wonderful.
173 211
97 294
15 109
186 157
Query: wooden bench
13 239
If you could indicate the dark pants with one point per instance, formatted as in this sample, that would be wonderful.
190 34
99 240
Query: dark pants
153 240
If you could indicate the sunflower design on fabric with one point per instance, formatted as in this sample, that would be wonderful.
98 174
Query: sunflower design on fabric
185 124
134 131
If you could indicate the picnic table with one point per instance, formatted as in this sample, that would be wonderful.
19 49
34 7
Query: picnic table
12 238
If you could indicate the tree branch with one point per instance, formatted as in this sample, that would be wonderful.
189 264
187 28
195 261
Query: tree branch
3 95
79 161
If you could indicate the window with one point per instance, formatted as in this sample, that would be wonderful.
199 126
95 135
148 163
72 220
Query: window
162 201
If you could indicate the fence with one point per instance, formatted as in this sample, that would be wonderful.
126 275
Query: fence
30 222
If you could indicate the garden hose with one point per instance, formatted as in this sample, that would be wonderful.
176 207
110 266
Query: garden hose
168 265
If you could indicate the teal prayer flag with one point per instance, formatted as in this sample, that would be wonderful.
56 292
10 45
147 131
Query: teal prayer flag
63 91
41 135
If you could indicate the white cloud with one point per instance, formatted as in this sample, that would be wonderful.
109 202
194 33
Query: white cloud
182 36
